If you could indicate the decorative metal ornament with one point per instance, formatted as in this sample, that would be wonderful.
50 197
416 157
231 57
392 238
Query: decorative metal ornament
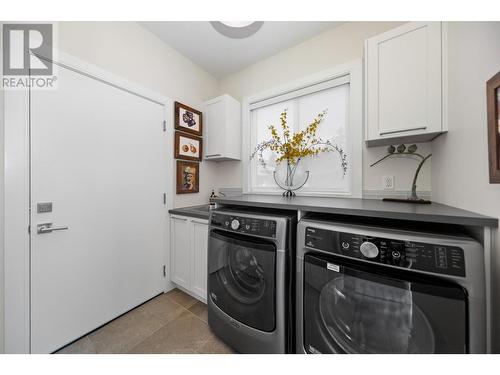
403 150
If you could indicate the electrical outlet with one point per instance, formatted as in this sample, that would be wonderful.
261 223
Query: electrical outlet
388 182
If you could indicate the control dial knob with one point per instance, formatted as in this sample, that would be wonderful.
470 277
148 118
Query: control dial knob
235 224
369 249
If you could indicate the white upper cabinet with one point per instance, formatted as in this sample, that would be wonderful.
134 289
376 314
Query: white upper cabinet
222 129
404 84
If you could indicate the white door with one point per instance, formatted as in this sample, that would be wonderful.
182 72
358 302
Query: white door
180 251
98 153
200 245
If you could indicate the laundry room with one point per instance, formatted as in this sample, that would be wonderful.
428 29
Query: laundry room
303 184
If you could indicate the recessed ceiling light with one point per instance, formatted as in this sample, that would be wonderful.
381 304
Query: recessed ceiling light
237 29
237 23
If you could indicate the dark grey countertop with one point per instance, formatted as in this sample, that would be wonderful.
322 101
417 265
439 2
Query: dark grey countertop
200 212
431 213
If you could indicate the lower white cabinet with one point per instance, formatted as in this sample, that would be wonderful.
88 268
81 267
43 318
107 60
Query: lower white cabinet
180 251
188 254
199 235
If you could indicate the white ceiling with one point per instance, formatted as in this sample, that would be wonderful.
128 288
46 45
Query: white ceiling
220 55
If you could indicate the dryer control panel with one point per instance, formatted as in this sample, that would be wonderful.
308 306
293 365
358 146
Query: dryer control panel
421 256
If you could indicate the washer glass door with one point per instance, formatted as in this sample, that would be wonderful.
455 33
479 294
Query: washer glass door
241 278
352 308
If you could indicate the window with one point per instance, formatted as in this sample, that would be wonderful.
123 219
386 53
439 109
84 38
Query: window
337 95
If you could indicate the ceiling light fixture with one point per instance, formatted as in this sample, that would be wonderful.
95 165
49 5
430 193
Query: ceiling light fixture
237 23
237 29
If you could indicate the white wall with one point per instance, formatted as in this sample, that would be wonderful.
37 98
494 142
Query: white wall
334 47
2 282
128 50
460 158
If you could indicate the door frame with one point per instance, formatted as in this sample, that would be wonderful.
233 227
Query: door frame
17 247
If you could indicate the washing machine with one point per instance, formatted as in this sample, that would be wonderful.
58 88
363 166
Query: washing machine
251 258
378 289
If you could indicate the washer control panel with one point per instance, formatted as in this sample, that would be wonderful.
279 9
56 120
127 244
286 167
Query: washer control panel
240 224
421 256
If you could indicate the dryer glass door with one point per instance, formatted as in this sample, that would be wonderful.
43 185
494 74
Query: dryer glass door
352 308
241 278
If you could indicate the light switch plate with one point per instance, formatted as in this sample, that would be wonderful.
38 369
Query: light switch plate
388 182
43 207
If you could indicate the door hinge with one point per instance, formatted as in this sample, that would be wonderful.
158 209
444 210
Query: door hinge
164 126
164 271
164 198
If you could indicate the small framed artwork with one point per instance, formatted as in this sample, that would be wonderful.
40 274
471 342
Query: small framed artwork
493 105
188 119
188 177
187 147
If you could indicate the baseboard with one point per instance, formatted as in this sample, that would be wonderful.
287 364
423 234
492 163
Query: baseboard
192 294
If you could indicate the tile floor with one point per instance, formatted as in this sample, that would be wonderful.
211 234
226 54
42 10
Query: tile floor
173 322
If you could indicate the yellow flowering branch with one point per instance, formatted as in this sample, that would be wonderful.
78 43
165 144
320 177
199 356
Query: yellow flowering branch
296 146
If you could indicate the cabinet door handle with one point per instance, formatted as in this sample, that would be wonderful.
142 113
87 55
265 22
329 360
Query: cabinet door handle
403 130
200 222
179 218
209 156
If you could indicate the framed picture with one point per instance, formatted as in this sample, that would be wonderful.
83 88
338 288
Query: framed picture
188 177
187 147
493 104
188 119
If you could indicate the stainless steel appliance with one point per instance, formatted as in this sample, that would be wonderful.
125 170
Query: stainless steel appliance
250 293
369 289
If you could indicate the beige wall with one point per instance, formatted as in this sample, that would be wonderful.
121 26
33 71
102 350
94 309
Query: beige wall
128 50
460 157
334 47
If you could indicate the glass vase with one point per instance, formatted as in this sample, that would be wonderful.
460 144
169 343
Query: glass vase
290 177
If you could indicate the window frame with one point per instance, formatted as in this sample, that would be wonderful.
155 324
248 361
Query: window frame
351 69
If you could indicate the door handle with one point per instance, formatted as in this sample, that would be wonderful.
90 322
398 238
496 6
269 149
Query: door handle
48 228
403 130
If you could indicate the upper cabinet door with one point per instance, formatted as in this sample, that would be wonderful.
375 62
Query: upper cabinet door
214 121
404 84
223 129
